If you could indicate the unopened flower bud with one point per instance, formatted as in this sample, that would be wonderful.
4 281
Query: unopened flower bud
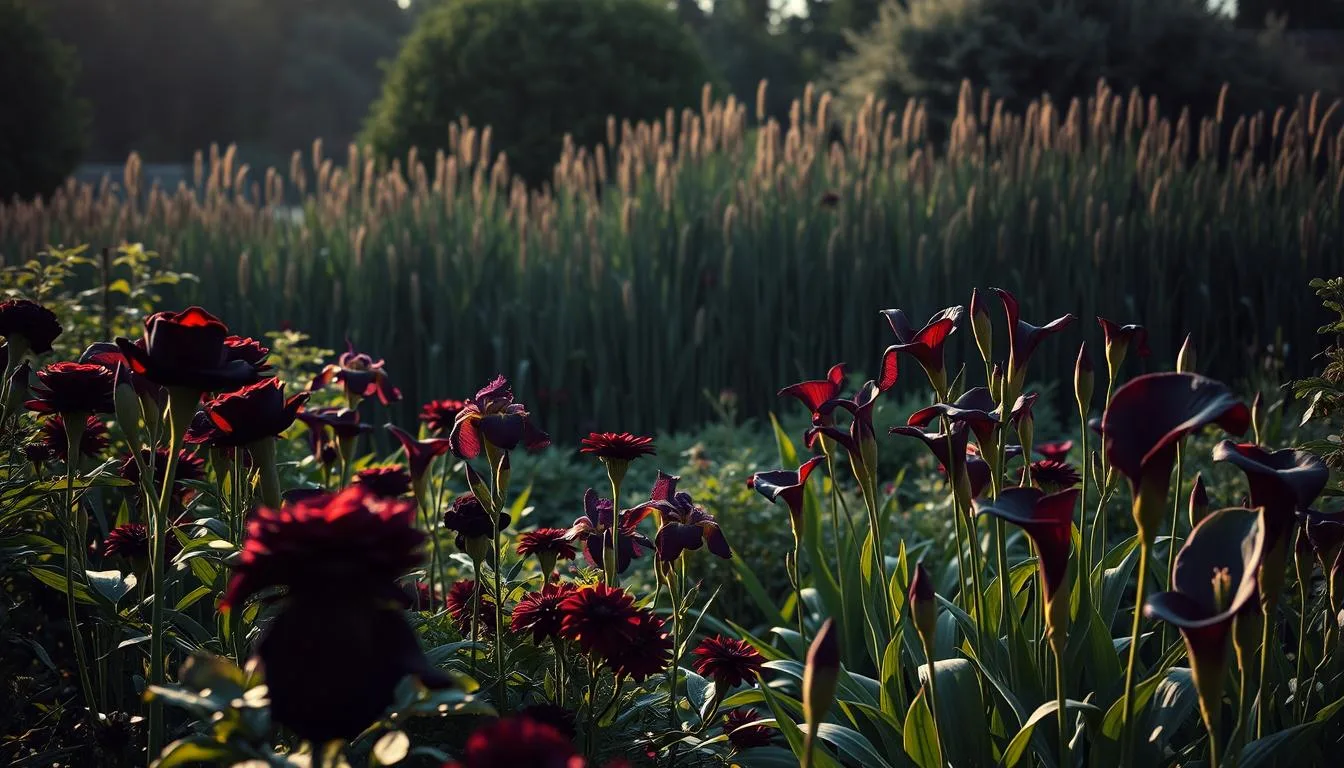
1185 359
923 605
982 327
821 674
1199 500
1083 379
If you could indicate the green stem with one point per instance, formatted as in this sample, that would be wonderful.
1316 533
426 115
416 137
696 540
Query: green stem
792 563
74 432
500 688
263 457
1303 692
933 695
1266 632
1085 551
611 559
559 672
1175 521
1060 704
1127 731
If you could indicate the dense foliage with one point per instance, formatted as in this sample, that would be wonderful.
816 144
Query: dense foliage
43 126
566 64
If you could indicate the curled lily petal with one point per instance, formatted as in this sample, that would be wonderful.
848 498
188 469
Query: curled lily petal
1047 519
786 484
813 393
925 345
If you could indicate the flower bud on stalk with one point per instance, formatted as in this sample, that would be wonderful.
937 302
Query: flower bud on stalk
820 677
923 606
982 327
1084 380
1199 500
1185 359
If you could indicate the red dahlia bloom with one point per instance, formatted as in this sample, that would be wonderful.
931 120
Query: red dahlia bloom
131 541
648 652
539 612
814 394
188 349
439 415
72 388
549 545
91 444
388 482
240 418
518 741
493 417
615 446
1056 451
727 661
460 602
190 467
742 734
27 324
1051 476
360 376
603 620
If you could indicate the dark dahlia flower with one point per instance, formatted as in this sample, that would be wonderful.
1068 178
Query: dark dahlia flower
390 482
1051 476
425 598
549 545
28 326
38 453
439 415
470 520
789 485
925 345
493 417
727 661
241 418
420 454
594 530
352 544
614 446
648 652
1119 338
130 541
72 388
539 612
190 467
1048 521
742 734
686 526
247 350
553 715
187 350
1055 451
460 602
518 741
975 408
603 620
814 394
93 442
1023 338
360 376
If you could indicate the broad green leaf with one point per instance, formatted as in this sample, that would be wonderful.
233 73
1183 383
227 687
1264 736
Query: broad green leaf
56 580
921 735
821 756
757 592
852 745
1017 748
111 585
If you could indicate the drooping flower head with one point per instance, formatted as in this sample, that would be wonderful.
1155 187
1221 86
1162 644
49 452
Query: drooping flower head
189 350
603 620
420 454
1048 520
518 741
1146 419
925 345
493 417
72 388
360 376
473 524
1119 338
686 526
539 614
91 445
727 661
742 734
1214 579
243 417
549 545
814 394
1023 338
789 485
389 482
28 327
593 530
648 652
975 408
439 415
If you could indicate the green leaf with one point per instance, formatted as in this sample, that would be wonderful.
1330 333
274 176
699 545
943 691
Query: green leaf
1017 748
56 580
1115 716
921 735
196 750
756 591
111 585
821 756
852 744
390 749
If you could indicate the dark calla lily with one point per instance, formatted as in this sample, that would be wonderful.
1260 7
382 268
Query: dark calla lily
976 407
420 454
686 526
593 529
982 327
1119 338
859 441
925 345
1214 578
923 602
1146 418
1023 338
786 484
360 376
493 417
814 394
187 350
255 412
1199 500
1048 520
949 448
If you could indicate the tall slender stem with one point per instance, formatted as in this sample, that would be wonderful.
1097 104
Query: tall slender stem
933 695
1266 632
1127 730
1303 595
611 560
1063 713
74 432
1085 551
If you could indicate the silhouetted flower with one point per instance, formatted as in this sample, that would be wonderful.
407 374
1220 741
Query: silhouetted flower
786 484
93 442
553 715
243 417
360 376
187 350
518 741
603 620
727 661
859 441
949 449
1055 451
539 612
975 408
1023 338
737 724
814 394
389 481
594 529
28 326
471 521
648 652
614 446
460 604
247 350
493 417
548 544
130 541
925 345
1048 520
439 415
686 526
1119 338
1051 476
80 388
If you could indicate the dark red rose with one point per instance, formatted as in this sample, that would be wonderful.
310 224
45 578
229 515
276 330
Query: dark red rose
187 350
390 482
248 350
614 446
72 388
255 412
727 661
28 324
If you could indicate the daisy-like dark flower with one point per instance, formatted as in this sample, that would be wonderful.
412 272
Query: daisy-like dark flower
38 452
539 613
471 521
518 741
81 388
549 545
594 531
460 603
648 652
1057 451
737 724
28 326
727 661
131 541
603 620
93 442
493 417
1051 475
243 417
553 715
360 376
925 345
439 415
686 526
188 350
390 481
614 446
190 467
814 394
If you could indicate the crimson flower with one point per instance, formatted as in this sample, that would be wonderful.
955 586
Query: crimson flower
389 482
1048 521
603 620
549 545
188 349
539 612
108 355
594 528
248 350
518 741
471 521
493 417
81 388
420 454
727 661
28 326
1119 338
1055 451
1051 476
648 652
343 423
255 412
190 468
614 446
737 724
925 345
949 448
814 394
460 603
1023 338
130 541
93 442
359 375
439 415
976 408
786 484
